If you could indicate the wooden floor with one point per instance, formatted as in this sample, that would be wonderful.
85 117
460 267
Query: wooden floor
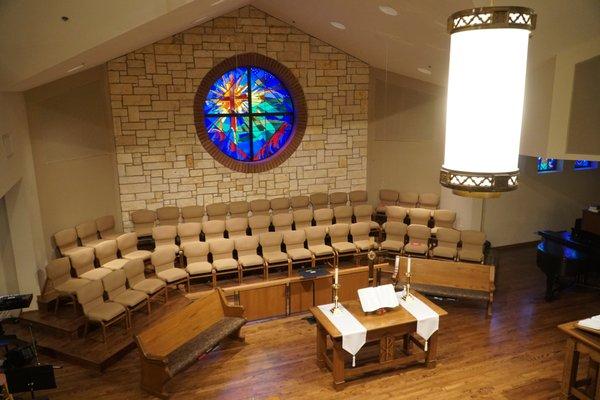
518 354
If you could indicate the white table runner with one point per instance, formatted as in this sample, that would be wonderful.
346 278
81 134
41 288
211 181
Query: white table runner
354 334
428 321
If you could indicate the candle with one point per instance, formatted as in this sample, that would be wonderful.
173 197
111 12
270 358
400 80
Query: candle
396 266
408 266
336 276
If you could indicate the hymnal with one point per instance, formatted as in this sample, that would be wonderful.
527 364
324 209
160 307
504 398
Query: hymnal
374 298
590 324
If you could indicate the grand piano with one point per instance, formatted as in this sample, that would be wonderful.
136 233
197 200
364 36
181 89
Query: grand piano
570 257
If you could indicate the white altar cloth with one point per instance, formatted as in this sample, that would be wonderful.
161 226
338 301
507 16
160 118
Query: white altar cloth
354 334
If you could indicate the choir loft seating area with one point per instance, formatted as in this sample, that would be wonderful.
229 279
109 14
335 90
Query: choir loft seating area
316 199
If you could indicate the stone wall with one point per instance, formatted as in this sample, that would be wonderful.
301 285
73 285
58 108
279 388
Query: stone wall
160 160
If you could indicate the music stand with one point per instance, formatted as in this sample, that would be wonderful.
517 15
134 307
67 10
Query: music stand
30 379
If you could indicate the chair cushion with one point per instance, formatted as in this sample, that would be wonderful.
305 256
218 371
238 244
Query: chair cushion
470 255
344 247
417 248
172 246
71 285
445 252
364 245
275 257
138 254
225 264
394 245
111 236
130 298
149 285
94 243
105 311
95 274
321 250
187 354
172 275
115 264
250 260
299 254
70 252
200 267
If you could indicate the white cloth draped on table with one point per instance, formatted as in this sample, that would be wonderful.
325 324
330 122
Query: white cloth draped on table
428 321
354 334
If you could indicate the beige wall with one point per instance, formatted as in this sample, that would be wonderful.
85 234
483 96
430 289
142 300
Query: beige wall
160 159
73 150
406 134
8 269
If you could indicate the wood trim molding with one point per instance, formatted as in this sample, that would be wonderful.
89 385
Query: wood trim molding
298 100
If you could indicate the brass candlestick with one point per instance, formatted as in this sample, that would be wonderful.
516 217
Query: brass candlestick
336 306
407 294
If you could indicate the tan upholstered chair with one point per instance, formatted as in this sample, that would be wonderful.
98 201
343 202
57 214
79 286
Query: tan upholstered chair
395 235
98 311
143 222
106 227
106 254
127 244
87 232
214 229
222 258
83 264
319 200
236 227
165 238
447 243
136 279
167 215
408 199
283 221
247 255
294 247
280 205
419 216
163 261
196 258
66 241
337 199
302 218
430 201
323 216
358 197
418 240
471 246
58 272
443 219
192 213
395 213
239 209
259 224
338 234
343 214
387 197
315 237
270 242
217 211
188 232
260 207
299 202
360 237
364 213
132 300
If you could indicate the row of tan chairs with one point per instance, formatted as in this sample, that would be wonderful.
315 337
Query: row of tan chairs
421 216
390 197
145 220
450 243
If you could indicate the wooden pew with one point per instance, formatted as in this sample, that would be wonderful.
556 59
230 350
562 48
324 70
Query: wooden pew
175 342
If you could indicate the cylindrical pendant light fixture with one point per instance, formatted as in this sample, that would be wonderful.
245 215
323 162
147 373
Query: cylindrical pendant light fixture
486 87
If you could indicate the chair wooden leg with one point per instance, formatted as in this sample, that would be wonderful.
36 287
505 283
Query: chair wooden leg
74 300
149 307
189 288
239 275
289 268
166 293
266 273
103 332
214 279
56 304
313 262
85 328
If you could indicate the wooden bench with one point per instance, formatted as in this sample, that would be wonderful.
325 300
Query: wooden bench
451 279
174 343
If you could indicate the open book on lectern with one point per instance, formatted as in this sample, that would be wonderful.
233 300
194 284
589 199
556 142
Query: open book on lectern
374 298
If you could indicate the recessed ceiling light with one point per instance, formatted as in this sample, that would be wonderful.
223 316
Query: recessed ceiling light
388 10
338 25
77 67
217 2
424 70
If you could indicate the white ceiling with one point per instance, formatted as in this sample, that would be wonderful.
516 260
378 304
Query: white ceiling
37 47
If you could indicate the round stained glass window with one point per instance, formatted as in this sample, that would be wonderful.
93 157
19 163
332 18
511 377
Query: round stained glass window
246 116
